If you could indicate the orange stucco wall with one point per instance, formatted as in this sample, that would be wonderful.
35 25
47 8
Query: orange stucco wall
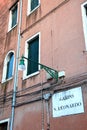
62 47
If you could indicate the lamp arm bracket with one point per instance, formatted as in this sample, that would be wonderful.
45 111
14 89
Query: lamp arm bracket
53 73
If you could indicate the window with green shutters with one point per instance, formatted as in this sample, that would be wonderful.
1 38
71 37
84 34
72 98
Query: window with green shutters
14 16
33 54
34 4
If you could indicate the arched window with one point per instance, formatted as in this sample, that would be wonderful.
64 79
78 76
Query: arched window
8 67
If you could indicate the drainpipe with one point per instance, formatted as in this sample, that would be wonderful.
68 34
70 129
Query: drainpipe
47 97
16 69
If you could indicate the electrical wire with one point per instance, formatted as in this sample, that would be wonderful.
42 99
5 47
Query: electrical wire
34 93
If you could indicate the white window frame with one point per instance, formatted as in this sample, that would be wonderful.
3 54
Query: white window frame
25 76
29 9
5 67
4 121
10 18
84 19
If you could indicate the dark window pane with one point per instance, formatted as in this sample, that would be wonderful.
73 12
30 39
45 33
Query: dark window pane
3 126
7 75
86 9
14 16
10 66
34 4
33 55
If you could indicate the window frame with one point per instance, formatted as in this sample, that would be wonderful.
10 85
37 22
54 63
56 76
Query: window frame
25 76
4 78
10 27
10 63
29 11
5 121
84 20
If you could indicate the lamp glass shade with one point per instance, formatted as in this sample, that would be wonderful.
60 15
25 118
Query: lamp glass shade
21 65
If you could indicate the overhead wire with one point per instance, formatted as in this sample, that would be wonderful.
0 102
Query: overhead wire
32 94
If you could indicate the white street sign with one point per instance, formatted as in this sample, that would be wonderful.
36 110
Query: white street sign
67 102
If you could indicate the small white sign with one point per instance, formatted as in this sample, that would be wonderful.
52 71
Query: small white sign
67 102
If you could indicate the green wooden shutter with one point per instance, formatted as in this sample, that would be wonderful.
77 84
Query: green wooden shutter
3 126
34 4
33 53
14 16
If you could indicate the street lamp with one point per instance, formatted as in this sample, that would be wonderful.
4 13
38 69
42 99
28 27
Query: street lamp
53 73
